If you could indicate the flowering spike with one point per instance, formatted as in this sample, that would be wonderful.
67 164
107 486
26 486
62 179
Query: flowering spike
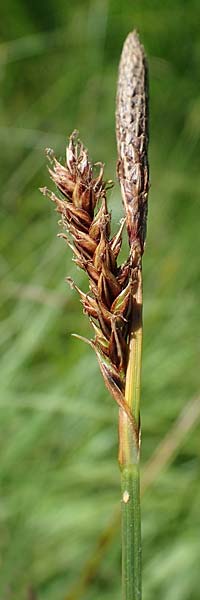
110 300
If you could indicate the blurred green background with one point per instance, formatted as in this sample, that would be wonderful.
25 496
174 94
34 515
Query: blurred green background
59 479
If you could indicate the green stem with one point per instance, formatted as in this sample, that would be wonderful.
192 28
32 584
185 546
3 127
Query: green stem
131 534
129 460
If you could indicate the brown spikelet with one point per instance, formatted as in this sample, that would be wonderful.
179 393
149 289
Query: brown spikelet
83 208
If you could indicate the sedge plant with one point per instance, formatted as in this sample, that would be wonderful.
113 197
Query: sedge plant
114 299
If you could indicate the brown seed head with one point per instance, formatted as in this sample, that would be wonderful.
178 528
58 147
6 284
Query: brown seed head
109 303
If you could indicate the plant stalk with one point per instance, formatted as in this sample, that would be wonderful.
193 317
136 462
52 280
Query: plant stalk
129 460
